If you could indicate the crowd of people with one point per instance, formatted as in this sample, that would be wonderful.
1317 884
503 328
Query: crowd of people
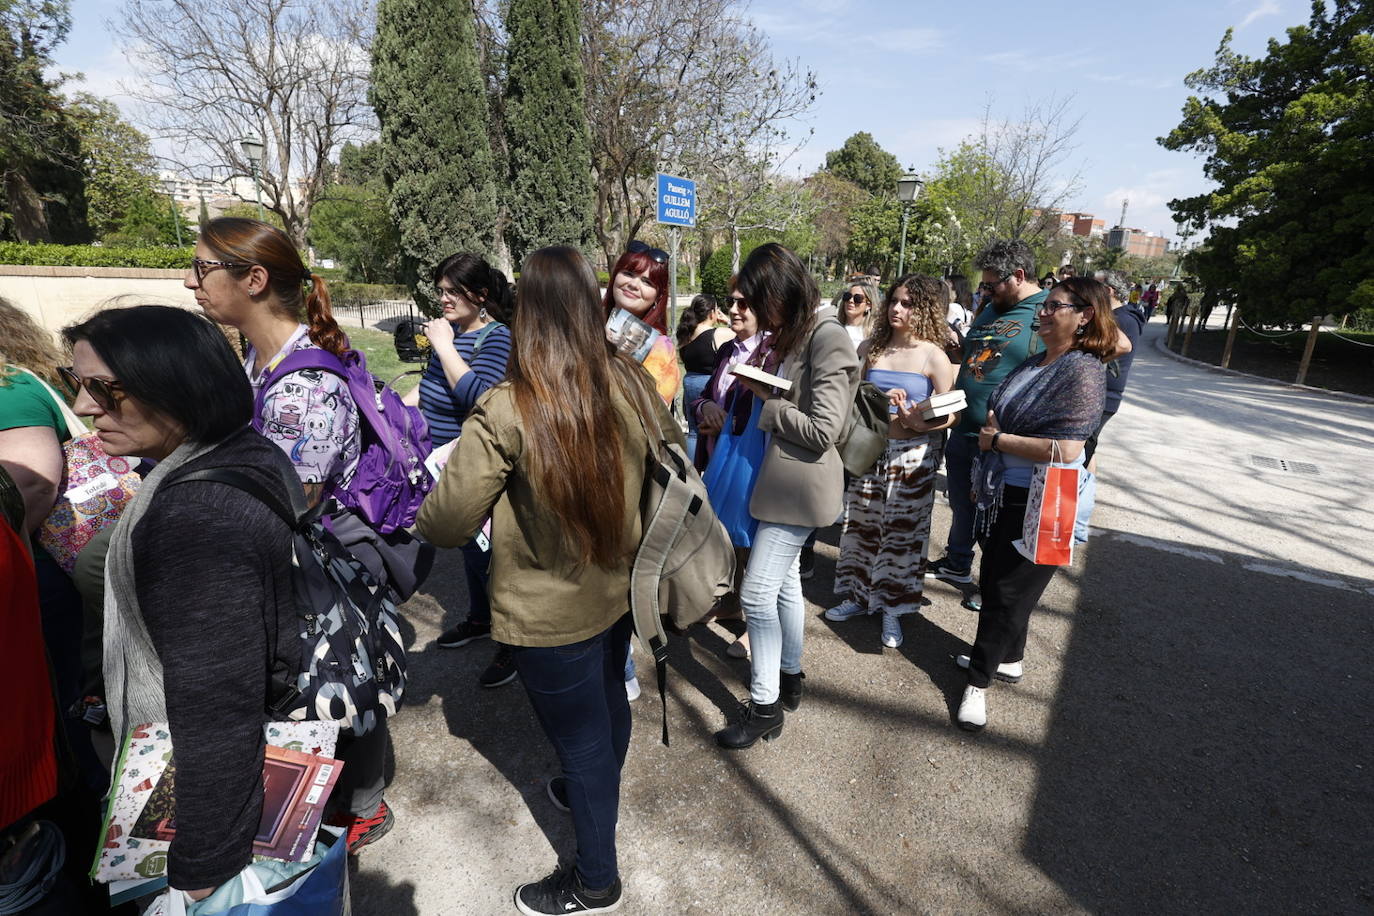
545 425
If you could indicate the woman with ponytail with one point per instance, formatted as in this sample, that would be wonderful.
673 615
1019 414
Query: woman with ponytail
248 275
556 456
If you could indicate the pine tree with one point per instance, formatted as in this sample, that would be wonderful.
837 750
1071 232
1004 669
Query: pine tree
551 190
436 157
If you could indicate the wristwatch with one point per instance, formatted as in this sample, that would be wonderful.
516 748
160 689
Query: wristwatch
995 437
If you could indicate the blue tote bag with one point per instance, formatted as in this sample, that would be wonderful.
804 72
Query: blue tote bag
318 887
730 477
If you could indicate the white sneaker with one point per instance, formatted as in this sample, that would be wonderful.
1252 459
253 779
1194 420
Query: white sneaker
1011 672
892 630
632 689
973 709
846 610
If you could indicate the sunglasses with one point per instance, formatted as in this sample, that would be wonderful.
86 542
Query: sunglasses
105 392
658 255
856 298
737 300
200 267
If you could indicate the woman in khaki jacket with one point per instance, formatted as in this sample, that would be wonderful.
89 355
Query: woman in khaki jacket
801 484
556 456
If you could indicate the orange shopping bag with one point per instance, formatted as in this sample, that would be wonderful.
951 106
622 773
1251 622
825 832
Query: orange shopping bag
1051 509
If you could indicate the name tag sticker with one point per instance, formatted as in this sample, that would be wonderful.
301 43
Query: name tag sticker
92 488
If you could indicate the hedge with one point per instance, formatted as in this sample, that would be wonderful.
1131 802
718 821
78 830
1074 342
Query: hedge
342 291
45 255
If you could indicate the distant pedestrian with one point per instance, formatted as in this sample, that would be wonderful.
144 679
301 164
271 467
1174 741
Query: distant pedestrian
1149 300
1130 321
1178 303
1048 281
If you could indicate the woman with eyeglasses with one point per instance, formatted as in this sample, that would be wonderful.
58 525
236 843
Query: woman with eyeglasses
701 332
883 547
800 486
199 602
855 307
471 347
556 456
1043 411
639 285
248 275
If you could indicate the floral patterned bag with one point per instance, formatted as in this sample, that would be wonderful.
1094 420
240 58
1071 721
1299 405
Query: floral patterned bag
94 490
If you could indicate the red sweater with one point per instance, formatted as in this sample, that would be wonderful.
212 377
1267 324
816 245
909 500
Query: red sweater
28 762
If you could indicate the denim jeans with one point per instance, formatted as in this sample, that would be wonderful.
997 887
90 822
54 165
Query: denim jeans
959 454
692 387
476 567
578 693
774 609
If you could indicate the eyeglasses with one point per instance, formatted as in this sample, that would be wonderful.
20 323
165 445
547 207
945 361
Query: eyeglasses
200 267
455 292
1049 308
856 298
658 255
737 300
106 393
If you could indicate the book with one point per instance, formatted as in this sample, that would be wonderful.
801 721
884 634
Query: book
942 405
299 774
755 374
631 336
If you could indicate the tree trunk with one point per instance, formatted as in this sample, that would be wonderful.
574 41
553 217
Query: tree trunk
26 209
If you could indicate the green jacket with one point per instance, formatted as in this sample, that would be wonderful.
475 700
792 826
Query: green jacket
540 596
996 343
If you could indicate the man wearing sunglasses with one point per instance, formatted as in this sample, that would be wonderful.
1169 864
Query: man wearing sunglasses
1000 338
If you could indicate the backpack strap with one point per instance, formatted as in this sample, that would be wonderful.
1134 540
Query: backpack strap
482 336
290 514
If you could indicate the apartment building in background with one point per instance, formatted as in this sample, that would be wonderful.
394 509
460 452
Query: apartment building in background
1137 242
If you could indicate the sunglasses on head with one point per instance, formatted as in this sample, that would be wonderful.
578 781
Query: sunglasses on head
856 298
656 254
105 392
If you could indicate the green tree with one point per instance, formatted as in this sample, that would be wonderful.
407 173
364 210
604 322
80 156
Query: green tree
865 163
123 204
837 200
436 158
351 223
1288 139
549 148
876 227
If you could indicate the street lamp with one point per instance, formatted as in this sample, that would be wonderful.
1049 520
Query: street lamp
252 150
908 187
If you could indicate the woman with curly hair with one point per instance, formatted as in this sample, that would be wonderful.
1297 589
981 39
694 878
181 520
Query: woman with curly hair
31 428
887 511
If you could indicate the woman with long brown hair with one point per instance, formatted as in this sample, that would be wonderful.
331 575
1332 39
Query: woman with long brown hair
887 511
556 456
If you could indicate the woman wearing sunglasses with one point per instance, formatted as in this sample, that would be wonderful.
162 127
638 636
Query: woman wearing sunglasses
1044 410
887 511
639 285
248 275
855 307
199 600
800 485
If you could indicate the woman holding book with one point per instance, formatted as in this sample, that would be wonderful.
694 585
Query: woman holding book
801 483
563 540
887 511
639 285
1043 411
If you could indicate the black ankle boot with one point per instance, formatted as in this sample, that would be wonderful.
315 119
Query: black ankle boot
790 690
758 721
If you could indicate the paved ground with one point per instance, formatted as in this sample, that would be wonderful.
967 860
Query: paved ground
1193 734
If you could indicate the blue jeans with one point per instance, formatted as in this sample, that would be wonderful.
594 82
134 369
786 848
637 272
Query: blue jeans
959 454
578 693
692 387
477 569
774 609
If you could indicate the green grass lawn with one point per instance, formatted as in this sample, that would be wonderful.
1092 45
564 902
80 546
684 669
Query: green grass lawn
380 351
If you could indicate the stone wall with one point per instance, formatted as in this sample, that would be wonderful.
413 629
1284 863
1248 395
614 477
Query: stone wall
59 296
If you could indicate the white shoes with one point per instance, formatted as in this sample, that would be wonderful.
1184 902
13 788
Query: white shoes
1010 672
973 709
632 689
892 630
845 610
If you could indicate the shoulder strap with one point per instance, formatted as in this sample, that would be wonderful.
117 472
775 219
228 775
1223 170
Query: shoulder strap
482 336
240 481
75 425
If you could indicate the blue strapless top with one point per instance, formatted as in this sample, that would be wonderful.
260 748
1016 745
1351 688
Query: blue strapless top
916 385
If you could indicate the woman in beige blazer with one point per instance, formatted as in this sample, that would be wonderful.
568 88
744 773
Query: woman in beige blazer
801 484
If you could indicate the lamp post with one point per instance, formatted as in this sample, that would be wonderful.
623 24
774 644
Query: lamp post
908 187
252 150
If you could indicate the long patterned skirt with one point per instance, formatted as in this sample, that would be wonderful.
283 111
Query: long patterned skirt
887 527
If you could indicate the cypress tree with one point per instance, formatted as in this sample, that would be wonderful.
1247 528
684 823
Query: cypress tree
551 192
436 157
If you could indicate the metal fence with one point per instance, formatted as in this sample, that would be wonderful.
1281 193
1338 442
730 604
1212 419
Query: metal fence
381 314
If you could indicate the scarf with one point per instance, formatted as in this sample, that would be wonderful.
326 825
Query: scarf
133 672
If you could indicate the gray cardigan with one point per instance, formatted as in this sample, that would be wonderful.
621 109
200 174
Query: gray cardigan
802 480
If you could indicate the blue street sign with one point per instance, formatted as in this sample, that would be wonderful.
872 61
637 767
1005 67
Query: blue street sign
677 200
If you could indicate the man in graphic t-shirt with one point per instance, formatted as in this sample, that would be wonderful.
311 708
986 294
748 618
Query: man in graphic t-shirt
1000 338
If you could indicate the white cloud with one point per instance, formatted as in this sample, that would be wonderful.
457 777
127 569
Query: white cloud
1265 8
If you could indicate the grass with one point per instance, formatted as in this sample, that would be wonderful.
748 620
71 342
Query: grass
1337 364
382 361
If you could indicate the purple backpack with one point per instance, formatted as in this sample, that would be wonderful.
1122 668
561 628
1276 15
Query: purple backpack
391 479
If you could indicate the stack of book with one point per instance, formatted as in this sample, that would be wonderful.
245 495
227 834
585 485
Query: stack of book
942 405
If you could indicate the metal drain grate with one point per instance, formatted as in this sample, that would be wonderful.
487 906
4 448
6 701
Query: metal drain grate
1265 463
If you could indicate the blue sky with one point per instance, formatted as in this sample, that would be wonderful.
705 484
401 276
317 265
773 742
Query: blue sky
917 75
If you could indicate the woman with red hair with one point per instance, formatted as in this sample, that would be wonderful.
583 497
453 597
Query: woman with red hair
639 285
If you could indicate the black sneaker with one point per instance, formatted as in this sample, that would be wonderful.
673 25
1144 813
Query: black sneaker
558 793
944 568
563 892
808 562
463 634
501 671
